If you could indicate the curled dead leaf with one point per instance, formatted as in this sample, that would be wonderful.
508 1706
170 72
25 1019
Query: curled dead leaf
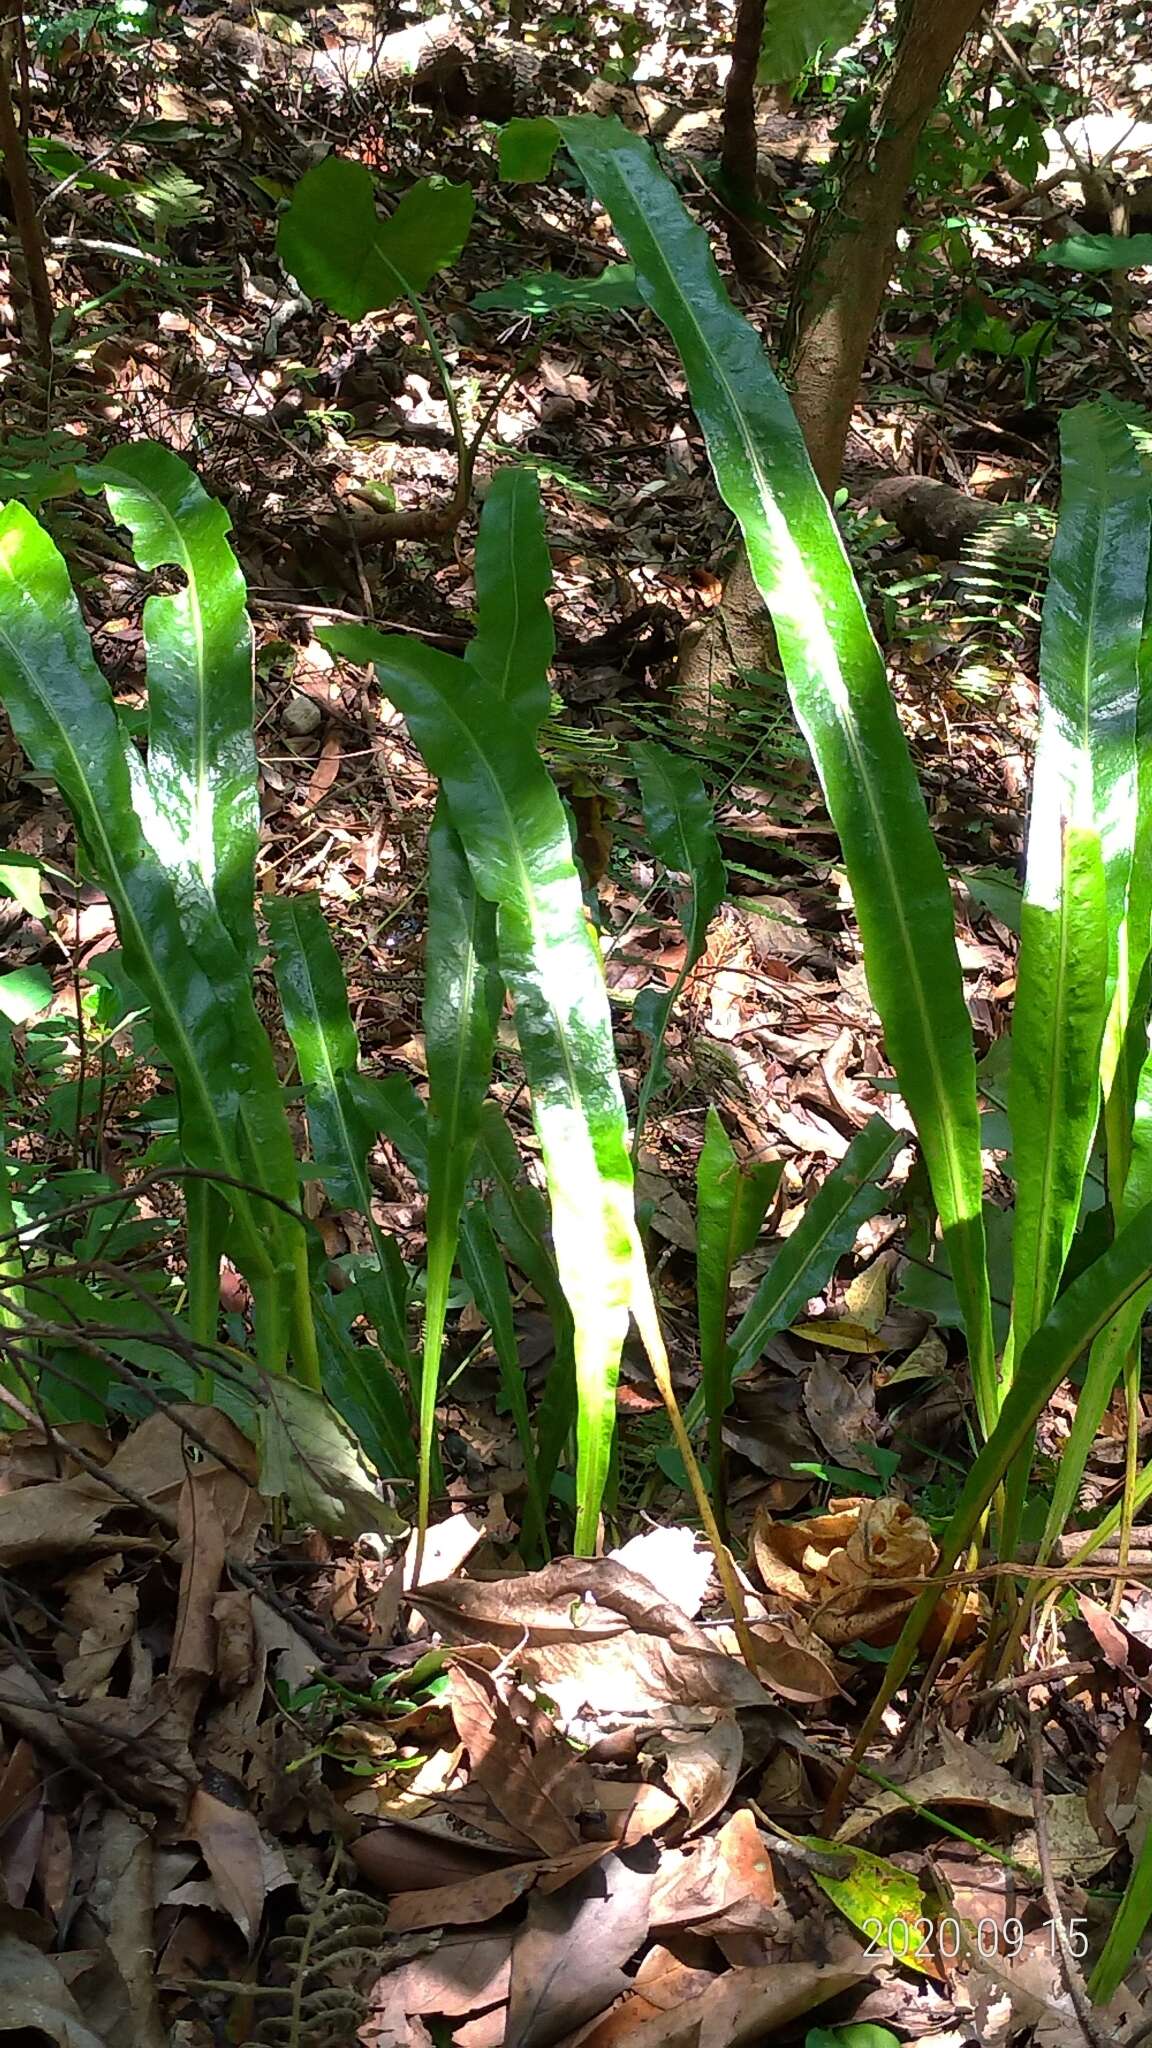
852 1572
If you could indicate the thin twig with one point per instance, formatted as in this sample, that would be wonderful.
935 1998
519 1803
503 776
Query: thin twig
1073 1980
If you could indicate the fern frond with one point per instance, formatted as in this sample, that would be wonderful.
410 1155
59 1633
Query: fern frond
999 584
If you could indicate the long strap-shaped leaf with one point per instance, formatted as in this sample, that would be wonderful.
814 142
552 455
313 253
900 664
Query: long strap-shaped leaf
731 1201
314 1000
462 997
512 824
201 772
231 1114
515 641
681 831
837 683
807 1259
511 653
1080 840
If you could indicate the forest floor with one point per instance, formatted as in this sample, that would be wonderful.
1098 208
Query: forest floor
230 1707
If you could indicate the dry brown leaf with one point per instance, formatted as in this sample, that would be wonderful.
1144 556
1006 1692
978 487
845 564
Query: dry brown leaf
637 1675
325 772
99 1619
447 1546
701 1767
839 1568
1110 1794
794 1665
540 1790
742 2008
1073 1842
37 2002
122 1900
463 1974
661 1984
402 1856
842 1414
201 1551
723 1882
476 1899
574 1599
964 1777
567 1962
230 1844
674 1561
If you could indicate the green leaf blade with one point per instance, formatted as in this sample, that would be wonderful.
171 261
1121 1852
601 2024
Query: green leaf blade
340 251
201 770
515 641
515 834
838 687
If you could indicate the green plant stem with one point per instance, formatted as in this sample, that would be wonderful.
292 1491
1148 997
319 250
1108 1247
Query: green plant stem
1126 1929
204 1214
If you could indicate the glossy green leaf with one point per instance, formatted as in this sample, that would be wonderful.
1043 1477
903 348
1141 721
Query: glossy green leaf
484 1270
527 148
731 1203
341 1128
515 834
613 290
337 247
360 1387
231 1115
462 998
309 1460
1114 1343
681 831
515 641
1093 253
875 1893
1080 842
807 1258
21 878
314 1000
1133 1914
204 818
797 31
838 687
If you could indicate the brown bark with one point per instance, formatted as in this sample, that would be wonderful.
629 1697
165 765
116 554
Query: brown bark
844 270
839 287
23 198
739 151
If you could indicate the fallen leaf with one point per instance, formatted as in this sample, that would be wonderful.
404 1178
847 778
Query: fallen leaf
839 1568
230 1844
540 1789
743 2008
122 1899
875 1891
723 1882
674 1561
1111 1791
965 1777
325 772
796 1668
99 1619
567 1963
866 1297
842 1414
661 1984
701 1768
464 1974
37 2000
446 1547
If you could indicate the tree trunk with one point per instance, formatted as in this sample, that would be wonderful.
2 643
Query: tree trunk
739 151
839 286
843 272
